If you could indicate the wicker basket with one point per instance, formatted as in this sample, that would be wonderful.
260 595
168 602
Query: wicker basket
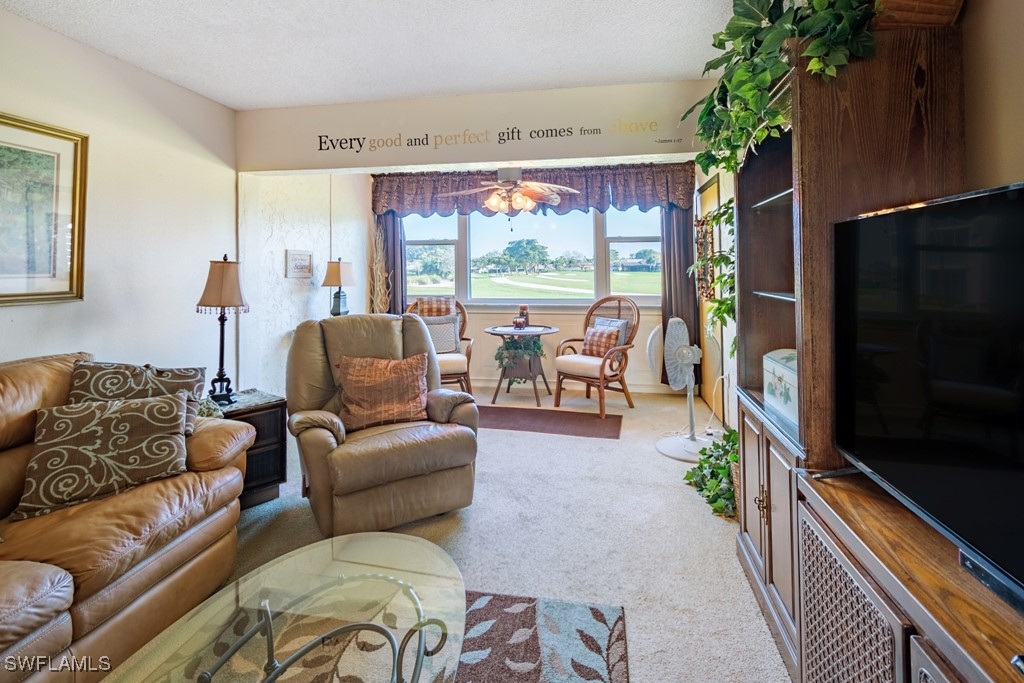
734 468
921 13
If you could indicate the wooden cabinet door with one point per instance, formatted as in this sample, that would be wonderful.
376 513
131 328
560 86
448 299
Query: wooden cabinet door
781 565
850 630
753 531
926 666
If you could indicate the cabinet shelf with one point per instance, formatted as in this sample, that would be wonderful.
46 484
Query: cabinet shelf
778 296
776 201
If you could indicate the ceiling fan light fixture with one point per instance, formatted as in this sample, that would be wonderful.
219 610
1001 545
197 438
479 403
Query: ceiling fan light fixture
495 201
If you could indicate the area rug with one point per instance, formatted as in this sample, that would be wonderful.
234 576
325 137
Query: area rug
565 422
529 640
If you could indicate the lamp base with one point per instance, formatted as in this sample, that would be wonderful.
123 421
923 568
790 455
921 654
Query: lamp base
224 399
340 306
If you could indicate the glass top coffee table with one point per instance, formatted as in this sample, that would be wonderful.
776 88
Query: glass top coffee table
374 606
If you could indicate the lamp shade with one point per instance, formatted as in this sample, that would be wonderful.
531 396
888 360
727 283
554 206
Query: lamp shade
339 274
223 289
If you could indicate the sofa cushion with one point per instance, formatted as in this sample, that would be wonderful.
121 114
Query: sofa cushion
109 381
598 341
377 391
427 306
384 454
27 385
444 332
13 463
31 595
99 541
581 366
452 363
97 448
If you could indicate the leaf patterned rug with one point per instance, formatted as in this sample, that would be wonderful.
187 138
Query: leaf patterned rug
512 639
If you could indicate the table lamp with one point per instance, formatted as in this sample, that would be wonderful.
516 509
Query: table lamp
339 274
223 293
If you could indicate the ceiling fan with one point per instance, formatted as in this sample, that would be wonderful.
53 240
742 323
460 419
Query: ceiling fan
511 193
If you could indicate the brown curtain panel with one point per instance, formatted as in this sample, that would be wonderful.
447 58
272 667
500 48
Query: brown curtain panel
389 229
679 290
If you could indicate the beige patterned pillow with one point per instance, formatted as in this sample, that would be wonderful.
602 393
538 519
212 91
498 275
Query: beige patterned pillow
108 381
376 391
444 332
96 448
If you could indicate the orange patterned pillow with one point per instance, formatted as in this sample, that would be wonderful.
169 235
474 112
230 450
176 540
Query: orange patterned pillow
597 341
427 306
377 391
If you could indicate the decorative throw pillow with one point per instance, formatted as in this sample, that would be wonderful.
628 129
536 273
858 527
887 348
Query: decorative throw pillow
93 449
613 323
428 306
108 381
376 391
444 332
599 341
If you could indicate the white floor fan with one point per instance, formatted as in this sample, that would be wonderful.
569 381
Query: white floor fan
679 358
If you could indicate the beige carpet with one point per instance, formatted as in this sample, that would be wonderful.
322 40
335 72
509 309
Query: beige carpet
588 520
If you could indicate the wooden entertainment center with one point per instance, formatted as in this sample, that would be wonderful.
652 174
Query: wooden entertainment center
854 586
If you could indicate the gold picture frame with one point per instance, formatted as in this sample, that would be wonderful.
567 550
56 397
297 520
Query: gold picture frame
42 212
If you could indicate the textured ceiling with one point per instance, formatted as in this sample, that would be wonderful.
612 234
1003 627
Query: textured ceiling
256 54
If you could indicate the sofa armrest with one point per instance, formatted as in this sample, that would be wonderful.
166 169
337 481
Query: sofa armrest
446 405
217 443
317 419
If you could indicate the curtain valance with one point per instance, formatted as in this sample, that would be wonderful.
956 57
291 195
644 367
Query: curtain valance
600 187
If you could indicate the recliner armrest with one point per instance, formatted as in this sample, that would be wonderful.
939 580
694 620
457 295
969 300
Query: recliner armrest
216 443
317 419
447 405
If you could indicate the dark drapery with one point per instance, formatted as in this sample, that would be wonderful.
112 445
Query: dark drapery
678 290
389 230
600 187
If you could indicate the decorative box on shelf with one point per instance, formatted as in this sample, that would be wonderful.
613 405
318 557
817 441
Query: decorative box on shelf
780 386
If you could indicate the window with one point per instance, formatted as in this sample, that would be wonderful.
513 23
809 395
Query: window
430 246
577 257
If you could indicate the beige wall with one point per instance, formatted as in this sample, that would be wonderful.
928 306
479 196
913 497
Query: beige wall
328 215
160 203
993 58
571 123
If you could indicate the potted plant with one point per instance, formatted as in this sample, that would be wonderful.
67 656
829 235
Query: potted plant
747 104
518 352
713 475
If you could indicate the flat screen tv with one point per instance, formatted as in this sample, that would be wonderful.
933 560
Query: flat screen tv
929 368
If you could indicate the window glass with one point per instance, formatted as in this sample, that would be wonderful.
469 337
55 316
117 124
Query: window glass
532 256
635 268
429 269
633 223
432 227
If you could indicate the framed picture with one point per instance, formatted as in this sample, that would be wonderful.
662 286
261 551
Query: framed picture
42 212
298 263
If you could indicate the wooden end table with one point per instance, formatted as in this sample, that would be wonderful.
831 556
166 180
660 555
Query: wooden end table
526 368
266 466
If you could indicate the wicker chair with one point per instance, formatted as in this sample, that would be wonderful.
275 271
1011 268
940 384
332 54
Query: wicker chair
599 371
455 366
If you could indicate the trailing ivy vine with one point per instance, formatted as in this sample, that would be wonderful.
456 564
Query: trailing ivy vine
515 349
721 265
744 108
712 477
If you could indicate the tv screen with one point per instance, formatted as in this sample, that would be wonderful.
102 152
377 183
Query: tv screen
929 324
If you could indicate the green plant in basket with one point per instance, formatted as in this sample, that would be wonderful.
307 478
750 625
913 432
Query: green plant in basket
516 349
712 477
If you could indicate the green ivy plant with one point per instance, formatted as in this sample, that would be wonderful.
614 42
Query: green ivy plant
743 109
722 263
514 349
712 477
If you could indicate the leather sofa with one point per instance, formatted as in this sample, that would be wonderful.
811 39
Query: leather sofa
377 477
83 587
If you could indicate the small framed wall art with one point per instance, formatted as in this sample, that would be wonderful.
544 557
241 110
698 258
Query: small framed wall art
298 263
42 212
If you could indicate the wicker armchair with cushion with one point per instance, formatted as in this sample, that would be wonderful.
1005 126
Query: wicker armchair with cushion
599 358
380 442
446 321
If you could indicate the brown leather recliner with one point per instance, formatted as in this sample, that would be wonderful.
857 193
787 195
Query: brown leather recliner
377 477
84 587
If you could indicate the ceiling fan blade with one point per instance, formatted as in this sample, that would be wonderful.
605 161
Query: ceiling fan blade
460 192
548 187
